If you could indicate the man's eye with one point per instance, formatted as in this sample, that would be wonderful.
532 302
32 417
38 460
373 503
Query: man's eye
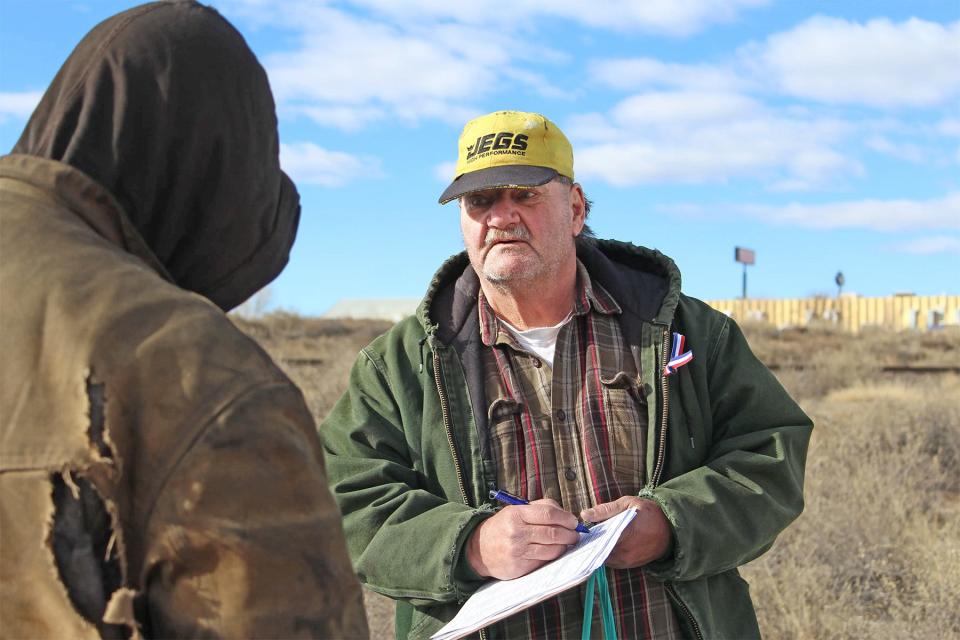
478 201
526 194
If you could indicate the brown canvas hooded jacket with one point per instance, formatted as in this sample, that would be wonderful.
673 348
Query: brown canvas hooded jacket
159 475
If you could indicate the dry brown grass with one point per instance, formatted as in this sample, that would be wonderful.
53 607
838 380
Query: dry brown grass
876 553
315 352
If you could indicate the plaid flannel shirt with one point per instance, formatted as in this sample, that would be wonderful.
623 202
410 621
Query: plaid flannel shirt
575 433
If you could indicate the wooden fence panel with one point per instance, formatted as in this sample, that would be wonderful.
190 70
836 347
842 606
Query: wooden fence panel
852 313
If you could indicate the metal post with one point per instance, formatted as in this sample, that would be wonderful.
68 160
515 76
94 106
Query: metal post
744 256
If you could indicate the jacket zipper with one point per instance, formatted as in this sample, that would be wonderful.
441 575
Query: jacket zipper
664 395
658 468
448 427
683 607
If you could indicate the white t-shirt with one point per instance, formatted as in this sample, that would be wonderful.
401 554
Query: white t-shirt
539 340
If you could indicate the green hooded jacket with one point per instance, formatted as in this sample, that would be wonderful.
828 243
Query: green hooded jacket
410 462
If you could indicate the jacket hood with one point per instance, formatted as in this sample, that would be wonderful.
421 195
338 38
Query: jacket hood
643 281
167 108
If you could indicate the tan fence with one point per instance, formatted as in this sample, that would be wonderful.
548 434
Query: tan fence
853 313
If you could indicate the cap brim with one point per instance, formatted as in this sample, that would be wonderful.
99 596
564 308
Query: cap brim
514 175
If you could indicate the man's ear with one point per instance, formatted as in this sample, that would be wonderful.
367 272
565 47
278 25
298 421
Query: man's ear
578 208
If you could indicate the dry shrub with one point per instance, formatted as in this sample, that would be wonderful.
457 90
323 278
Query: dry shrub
812 361
316 353
876 552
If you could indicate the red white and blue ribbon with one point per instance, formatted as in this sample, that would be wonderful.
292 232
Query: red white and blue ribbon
677 357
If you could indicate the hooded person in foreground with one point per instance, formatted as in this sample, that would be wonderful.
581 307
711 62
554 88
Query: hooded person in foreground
159 475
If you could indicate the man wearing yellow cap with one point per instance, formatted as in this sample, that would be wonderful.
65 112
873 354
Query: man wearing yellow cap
572 373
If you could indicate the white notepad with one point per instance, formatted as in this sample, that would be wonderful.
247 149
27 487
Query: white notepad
501 598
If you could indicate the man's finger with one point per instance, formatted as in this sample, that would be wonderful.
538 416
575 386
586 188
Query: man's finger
607 510
544 552
552 535
543 513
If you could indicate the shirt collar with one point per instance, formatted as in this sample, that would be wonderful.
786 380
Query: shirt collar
590 296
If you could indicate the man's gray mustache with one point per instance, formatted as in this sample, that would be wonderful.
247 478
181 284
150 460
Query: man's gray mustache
500 235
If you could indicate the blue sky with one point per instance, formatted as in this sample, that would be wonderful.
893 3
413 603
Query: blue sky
823 135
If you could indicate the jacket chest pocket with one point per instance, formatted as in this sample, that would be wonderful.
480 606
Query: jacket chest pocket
625 410
516 439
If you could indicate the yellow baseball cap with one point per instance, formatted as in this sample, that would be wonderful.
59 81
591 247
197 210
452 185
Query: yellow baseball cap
507 149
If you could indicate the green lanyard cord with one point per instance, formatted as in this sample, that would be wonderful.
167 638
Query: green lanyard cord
599 577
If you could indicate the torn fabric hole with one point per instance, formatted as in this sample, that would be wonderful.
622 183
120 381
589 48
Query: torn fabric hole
85 556
97 397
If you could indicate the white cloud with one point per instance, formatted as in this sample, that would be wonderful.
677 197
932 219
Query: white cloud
878 215
671 17
590 127
18 105
699 137
379 71
682 108
359 61
949 127
890 216
641 73
308 163
703 122
879 63
902 150
664 17
348 70
341 117
931 245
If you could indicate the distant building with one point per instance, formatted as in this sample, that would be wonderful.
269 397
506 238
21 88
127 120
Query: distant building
392 309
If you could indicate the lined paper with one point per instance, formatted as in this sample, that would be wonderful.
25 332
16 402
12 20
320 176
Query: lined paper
501 598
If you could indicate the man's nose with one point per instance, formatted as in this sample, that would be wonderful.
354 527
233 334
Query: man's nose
503 212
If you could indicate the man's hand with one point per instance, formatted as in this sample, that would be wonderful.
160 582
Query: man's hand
646 538
519 539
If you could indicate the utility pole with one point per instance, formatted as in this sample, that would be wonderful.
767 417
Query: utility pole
744 256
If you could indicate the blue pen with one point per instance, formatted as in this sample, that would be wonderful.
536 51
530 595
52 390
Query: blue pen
509 498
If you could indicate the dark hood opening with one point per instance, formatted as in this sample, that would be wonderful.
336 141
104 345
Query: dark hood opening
166 106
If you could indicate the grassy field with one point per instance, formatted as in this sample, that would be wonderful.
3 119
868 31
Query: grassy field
876 553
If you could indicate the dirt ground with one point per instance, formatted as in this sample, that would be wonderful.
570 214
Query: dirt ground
876 553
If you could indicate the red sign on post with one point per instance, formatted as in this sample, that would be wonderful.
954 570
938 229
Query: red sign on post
746 256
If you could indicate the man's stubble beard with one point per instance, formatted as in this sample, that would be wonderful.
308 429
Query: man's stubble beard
543 266
499 279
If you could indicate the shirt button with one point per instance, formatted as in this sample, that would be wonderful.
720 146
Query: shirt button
570 474
561 415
